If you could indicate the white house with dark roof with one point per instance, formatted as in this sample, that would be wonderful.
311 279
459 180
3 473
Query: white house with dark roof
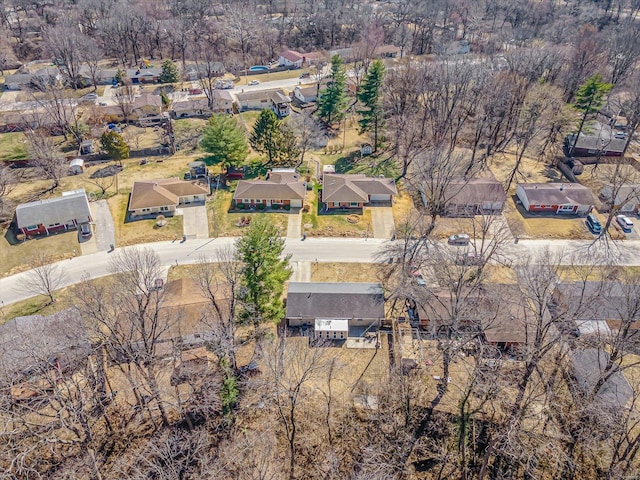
275 100
335 311
355 190
281 187
54 214
306 94
475 196
564 198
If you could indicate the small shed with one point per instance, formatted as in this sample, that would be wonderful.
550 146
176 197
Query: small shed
366 149
86 147
77 166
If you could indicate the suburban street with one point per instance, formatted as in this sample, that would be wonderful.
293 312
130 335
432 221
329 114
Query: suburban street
322 250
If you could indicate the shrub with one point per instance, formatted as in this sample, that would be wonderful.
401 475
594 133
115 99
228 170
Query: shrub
261 206
305 208
287 207
240 206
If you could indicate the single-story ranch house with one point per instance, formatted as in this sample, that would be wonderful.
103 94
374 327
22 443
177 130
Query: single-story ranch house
355 191
476 196
165 195
627 197
335 311
54 214
281 187
567 198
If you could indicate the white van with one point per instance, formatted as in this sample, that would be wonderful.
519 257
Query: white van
625 222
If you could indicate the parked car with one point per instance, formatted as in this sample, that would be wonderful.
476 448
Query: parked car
625 222
593 224
254 82
459 239
620 135
85 230
305 75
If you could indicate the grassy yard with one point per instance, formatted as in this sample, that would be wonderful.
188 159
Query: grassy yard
344 272
14 255
526 225
13 146
334 224
531 170
223 224
140 231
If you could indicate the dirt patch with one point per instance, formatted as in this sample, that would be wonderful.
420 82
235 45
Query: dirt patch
531 170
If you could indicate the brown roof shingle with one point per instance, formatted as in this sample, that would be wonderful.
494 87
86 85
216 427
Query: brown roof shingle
163 192
354 187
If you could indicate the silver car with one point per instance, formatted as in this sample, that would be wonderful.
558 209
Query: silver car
459 239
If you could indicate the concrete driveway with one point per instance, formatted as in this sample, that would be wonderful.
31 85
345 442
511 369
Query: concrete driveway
294 223
103 228
194 221
382 220
7 99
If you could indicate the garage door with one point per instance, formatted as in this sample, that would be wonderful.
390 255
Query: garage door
380 198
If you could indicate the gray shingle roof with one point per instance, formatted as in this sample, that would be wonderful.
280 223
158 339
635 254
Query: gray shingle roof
473 191
589 368
335 300
557 193
354 187
64 209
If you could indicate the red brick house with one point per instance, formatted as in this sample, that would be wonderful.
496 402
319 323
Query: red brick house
564 198
355 191
281 187
54 214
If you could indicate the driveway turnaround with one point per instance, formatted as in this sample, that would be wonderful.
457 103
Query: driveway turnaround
382 219
194 221
103 229
294 225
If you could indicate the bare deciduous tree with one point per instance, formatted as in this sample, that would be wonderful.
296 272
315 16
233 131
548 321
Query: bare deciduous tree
44 277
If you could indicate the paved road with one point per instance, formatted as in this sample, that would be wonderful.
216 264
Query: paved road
322 250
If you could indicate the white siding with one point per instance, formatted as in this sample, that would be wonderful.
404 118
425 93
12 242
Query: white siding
380 197
296 203
523 198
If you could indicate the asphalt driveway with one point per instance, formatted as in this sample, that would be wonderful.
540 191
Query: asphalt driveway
103 228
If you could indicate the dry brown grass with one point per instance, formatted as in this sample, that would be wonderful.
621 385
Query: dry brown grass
140 231
15 258
500 274
531 170
344 272
403 208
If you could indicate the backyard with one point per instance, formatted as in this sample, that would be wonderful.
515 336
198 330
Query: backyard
13 146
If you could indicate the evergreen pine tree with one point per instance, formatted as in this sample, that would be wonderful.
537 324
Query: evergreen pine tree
332 103
266 134
170 73
370 95
589 100
225 141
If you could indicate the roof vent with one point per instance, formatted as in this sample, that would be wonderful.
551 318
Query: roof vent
561 186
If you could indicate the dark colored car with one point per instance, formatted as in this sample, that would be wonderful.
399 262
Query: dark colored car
593 224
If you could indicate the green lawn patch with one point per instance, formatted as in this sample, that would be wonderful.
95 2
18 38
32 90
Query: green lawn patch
334 223
13 146
223 223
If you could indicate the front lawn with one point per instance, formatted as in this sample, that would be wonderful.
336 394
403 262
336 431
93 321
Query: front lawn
223 223
334 224
140 231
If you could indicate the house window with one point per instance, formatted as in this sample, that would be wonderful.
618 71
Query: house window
335 335
31 228
353 204
164 209
246 200
54 225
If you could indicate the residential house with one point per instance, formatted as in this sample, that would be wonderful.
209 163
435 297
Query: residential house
593 307
281 187
54 214
599 380
195 72
146 105
113 113
493 310
468 197
603 144
627 198
335 311
306 94
355 190
38 349
564 198
275 100
143 75
104 76
291 58
27 76
190 107
315 58
163 196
